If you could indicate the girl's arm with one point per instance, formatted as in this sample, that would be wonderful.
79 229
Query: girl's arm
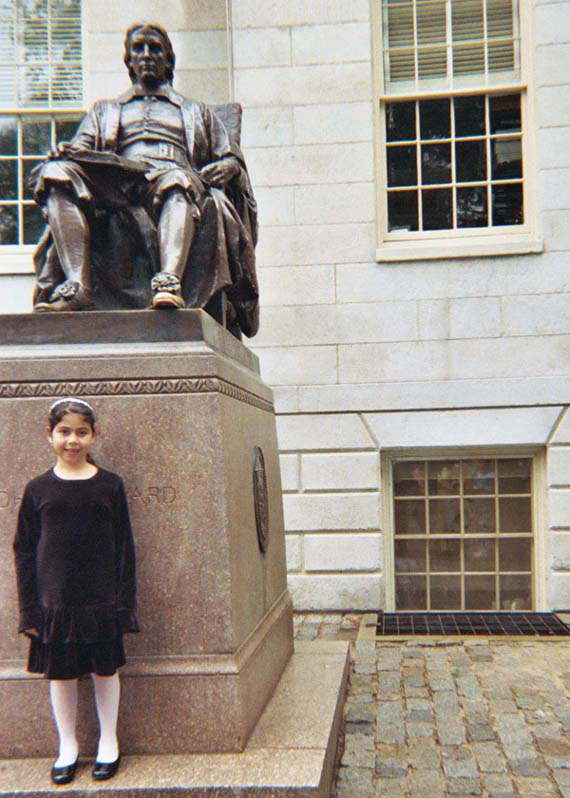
126 571
25 546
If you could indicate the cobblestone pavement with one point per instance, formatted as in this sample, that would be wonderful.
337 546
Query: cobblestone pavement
432 718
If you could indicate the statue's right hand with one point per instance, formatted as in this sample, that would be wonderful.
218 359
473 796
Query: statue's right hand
59 150
31 632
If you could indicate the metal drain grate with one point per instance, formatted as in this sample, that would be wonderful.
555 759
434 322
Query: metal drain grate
542 624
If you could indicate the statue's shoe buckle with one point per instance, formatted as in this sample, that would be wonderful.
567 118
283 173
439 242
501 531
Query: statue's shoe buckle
166 291
68 296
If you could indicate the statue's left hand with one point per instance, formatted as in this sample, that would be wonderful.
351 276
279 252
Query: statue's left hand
220 172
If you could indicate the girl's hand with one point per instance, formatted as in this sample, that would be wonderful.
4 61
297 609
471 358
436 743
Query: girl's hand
32 632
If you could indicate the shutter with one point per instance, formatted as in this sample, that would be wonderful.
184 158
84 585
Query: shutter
40 53
443 37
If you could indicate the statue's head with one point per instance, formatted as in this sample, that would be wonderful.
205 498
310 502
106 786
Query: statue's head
153 33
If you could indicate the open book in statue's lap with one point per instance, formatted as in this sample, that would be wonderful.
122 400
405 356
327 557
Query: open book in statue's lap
150 204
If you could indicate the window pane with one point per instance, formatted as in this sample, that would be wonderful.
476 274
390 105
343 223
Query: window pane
514 476
445 592
409 479
515 515
410 517
472 207
507 204
402 169
467 20
65 129
469 59
8 135
444 516
436 163
480 592
8 224
8 180
402 210
478 476
515 592
445 555
410 555
400 24
432 62
36 136
471 161
434 119
35 38
443 477
514 554
506 157
505 113
469 116
431 22
411 593
479 516
27 167
34 85
34 223
436 209
479 555
401 65
401 121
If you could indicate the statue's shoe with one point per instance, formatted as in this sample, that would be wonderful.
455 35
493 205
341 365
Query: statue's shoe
105 770
69 296
166 291
165 299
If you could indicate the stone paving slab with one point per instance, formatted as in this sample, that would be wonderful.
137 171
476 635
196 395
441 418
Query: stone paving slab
451 717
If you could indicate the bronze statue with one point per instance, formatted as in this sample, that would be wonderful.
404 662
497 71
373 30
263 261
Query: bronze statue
150 204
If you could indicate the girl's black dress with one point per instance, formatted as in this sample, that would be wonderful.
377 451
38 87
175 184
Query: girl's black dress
75 567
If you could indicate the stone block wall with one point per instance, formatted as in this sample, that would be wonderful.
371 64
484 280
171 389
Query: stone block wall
476 351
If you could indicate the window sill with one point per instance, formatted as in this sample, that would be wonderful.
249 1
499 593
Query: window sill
17 260
440 249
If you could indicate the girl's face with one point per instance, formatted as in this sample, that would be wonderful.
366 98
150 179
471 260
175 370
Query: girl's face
71 439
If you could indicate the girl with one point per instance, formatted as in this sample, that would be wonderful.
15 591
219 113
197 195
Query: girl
75 567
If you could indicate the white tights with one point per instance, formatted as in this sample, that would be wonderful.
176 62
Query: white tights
63 694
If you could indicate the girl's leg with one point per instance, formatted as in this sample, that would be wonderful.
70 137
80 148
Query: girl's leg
107 695
63 695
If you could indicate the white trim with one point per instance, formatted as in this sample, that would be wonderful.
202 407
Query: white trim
16 260
467 247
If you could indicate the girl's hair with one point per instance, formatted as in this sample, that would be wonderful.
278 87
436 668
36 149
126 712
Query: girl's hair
58 410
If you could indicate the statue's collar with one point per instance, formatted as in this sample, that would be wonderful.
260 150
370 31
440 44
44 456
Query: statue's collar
165 91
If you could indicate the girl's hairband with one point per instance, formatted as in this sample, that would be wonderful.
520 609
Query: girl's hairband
71 399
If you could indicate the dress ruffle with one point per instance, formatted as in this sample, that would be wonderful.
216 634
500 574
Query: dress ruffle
86 623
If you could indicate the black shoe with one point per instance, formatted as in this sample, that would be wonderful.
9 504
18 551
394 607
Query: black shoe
63 775
105 770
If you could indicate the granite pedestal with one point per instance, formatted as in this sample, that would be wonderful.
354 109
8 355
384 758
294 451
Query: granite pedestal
181 410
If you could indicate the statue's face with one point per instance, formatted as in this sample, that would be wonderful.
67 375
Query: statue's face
148 58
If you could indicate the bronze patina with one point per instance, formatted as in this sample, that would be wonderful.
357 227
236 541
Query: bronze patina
150 204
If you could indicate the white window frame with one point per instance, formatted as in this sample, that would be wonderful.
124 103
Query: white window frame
464 242
538 456
18 258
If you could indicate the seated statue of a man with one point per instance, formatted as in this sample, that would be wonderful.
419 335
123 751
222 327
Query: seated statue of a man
153 150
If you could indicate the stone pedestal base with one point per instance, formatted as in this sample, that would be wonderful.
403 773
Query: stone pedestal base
290 754
183 416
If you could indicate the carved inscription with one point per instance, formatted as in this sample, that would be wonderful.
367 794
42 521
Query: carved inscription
158 495
9 499
152 495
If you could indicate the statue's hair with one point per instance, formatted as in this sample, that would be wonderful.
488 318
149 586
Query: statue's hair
170 57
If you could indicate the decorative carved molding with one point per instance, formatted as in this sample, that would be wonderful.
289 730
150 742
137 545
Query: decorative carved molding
136 387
